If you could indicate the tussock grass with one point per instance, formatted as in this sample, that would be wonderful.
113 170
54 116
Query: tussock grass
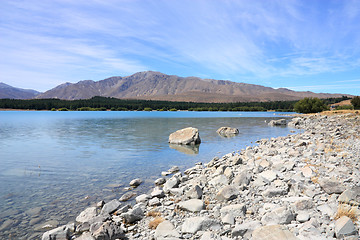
349 211
153 214
154 223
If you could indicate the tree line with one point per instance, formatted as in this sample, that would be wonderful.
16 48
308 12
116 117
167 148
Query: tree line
114 104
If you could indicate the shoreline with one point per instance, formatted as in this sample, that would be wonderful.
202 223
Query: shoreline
296 182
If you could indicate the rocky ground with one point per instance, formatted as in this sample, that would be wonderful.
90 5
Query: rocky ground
302 186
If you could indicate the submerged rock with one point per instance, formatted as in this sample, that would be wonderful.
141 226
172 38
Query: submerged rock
227 131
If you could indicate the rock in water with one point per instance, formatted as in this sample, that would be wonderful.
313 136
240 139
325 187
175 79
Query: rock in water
186 136
280 122
135 182
227 131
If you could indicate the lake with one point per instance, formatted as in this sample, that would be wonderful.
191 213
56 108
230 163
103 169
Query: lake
55 164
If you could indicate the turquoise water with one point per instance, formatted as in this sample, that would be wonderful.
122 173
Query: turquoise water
60 162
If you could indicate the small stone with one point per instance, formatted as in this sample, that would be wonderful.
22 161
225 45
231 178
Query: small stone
195 192
157 192
135 182
228 219
235 209
247 227
160 181
268 176
166 230
273 232
331 186
192 205
60 233
194 224
154 202
307 172
174 169
110 207
227 193
127 196
86 215
279 215
303 217
142 198
344 227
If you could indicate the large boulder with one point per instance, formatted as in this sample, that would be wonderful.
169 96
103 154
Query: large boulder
186 136
273 232
227 131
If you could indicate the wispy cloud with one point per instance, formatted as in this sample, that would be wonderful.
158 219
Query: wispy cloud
256 41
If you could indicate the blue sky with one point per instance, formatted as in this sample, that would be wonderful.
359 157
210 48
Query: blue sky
311 45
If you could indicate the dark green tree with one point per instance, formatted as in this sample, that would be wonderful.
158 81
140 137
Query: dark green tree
356 102
310 105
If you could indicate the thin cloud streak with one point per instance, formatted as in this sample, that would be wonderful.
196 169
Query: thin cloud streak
256 41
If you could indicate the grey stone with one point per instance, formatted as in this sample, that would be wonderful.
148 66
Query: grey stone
331 186
154 202
268 176
273 192
280 122
59 233
302 217
135 182
172 182
166 230
279 215
243 178
174 169
273 232
127 196
157 192
247 227
108 231
195 192
192 205
227 193
194 224
86 215
219 180
142 198
110 207
228 219
350 196
185 136
210 236
160 181
133 215
344 227
235 209
85 236
227 131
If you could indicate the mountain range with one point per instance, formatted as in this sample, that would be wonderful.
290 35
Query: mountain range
151 85
7 91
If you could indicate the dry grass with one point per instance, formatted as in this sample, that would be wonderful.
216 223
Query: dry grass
349 211
154 223
153 214
315 179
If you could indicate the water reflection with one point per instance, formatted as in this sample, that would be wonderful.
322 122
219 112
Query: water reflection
187 149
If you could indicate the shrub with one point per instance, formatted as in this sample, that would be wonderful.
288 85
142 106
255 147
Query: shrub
310 105
345 107
356 102
154 223
147 109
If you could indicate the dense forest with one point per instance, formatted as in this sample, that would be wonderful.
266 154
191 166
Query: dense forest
114 104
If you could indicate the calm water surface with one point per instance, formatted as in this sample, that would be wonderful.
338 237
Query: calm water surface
54 164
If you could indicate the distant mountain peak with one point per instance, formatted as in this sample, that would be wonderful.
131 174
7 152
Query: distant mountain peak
7 91
153 85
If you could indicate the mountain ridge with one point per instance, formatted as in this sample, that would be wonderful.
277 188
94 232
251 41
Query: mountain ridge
151 85
7 91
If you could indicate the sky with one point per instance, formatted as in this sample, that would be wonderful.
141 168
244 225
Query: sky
303 45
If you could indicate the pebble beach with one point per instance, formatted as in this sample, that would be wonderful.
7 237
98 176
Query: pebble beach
300 186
